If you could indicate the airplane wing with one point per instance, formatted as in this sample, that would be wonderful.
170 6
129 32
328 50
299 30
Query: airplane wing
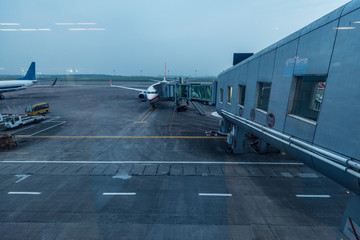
128 88
40 86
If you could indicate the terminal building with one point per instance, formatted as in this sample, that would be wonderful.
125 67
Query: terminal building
300 96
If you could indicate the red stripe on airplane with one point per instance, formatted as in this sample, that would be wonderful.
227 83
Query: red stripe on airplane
150 100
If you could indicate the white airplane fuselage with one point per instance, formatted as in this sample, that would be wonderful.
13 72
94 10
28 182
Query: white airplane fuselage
15 85
19 84
151 94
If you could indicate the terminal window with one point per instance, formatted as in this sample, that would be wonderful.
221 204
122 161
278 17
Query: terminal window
306 96
221 95
229 95
241 95
263 96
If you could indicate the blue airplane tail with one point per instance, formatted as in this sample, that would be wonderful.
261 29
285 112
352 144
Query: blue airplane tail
54 82
30 74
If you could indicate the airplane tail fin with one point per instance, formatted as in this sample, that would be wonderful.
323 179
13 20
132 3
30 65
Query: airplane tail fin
30 74
54 82
165 74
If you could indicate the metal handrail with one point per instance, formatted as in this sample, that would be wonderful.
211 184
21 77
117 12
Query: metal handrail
341 162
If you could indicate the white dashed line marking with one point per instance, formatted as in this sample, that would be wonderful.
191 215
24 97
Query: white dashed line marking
24 193
215 194
313 196
119 194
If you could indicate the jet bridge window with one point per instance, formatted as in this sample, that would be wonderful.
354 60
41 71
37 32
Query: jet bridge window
221 95
183 91
201 92
306 96
263 96
241 95
229 95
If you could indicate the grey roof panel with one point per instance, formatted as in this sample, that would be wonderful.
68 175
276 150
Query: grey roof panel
341 11
268 49
306 29
351 6
327 18
289 38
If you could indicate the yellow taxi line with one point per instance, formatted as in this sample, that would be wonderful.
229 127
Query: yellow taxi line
147 115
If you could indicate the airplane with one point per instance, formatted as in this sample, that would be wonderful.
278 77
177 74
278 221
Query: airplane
22 83
151 94
179 91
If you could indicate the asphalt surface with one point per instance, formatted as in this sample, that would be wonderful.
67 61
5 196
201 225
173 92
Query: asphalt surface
105 166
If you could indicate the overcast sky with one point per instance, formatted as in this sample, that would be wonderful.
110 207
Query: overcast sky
134 37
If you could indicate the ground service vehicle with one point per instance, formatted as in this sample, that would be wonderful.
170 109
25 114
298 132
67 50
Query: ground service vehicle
7 140
37 109
20 120
3 116
2 119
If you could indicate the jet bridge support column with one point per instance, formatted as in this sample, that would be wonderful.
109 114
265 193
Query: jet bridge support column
236 138
239 140
224 127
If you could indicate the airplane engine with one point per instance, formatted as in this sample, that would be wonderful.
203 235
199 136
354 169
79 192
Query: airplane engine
142 96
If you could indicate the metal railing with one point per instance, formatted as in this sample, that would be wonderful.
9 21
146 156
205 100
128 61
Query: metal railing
344 163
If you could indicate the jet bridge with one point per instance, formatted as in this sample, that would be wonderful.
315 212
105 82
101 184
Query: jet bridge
182 92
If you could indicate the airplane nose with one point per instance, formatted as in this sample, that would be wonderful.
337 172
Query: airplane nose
152 97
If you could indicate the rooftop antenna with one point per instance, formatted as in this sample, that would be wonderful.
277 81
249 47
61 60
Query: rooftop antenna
165 74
